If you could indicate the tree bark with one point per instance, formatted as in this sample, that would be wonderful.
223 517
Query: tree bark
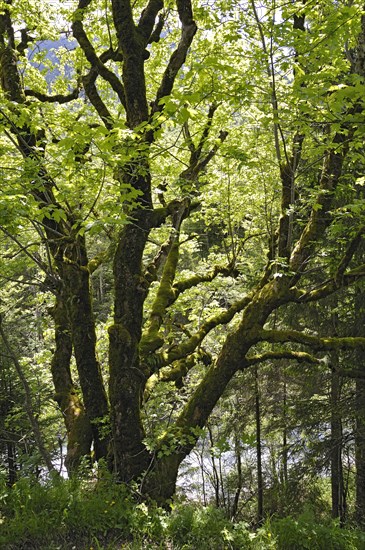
79 433
360 451
360 416
237 494
76 288
127 376
337 483
260 483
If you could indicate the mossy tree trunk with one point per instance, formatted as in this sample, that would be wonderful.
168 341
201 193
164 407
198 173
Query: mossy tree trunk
128 375
195 414
79 434
76 287
66 247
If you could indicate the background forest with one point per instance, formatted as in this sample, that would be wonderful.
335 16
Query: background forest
182 304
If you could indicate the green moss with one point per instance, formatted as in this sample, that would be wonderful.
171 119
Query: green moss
150 343
119 333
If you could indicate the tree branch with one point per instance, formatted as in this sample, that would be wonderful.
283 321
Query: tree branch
25 40
95 99
300 356
349 253
101 258
195 280
156 33
331 173
43 266
94 60
174 373
320 217
206 131
57 98
165 293
188 346
148 18
178 57
329 287
315 342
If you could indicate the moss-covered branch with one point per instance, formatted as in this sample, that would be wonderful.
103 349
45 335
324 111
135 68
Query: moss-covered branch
174 373
188 346
165 293
101 258
328 287
302 357
315 342
299 356
195 280
165 296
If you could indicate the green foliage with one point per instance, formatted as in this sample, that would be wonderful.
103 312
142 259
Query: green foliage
305 534
36 515
196 527
105 516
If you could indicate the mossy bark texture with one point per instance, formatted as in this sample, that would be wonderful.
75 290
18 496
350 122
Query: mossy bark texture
79 434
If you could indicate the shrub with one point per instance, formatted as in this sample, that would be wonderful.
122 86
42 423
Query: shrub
70 513
193 527
302 534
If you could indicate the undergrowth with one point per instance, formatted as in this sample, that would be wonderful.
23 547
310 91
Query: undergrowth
76 515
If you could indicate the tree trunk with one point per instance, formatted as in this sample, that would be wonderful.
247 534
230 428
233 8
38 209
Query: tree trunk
67 249
127 376
215 470
260 485
237 451
79 434
285 434
360 416
337 483
360 451
12 470
76 289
